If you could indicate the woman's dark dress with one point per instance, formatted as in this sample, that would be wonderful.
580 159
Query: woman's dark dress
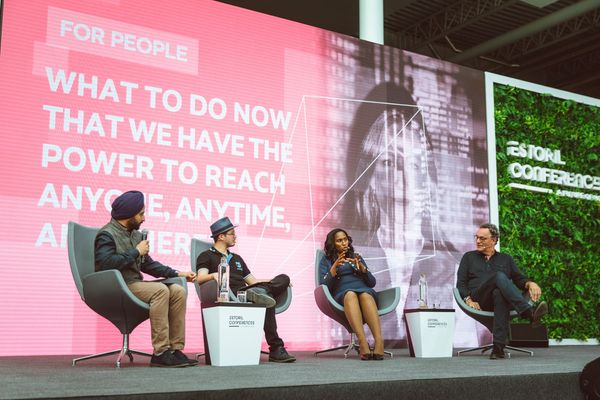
348 279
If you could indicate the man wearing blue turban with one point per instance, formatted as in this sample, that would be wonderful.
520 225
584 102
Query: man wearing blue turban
120 245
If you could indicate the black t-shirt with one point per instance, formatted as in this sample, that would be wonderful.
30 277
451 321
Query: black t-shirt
238 270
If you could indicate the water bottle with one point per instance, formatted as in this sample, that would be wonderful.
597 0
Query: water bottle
422 291
223 287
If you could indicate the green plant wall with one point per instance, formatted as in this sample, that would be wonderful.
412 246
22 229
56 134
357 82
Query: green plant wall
554 239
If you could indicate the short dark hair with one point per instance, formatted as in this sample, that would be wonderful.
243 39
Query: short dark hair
494 231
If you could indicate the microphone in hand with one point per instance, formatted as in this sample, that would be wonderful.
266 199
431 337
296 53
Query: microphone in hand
144 237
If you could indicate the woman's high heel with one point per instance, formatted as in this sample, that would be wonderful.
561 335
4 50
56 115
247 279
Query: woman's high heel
366 356
378 357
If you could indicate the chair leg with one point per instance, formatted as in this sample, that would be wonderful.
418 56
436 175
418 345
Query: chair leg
519 349
348 347
124 350
482 348
352 345
490 346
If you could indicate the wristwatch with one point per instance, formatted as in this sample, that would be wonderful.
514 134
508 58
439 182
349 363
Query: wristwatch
466 299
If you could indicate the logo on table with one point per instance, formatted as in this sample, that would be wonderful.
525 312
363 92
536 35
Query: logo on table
236 321
435 323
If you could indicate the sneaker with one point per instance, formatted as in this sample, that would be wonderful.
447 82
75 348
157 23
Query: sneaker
281 355
259 296
497 352
167 360
178 354
538 313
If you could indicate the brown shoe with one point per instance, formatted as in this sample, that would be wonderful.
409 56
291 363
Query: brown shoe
538 313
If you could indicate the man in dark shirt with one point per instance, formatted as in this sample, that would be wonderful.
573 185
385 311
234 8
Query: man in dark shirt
491 281
263 291
120 245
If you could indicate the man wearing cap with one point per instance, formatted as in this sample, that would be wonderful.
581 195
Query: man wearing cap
120 245
263 292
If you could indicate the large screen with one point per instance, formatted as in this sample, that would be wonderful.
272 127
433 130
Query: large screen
214 111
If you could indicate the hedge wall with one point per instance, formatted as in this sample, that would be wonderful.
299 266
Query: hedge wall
554 239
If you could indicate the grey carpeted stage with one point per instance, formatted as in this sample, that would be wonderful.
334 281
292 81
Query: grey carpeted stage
552 373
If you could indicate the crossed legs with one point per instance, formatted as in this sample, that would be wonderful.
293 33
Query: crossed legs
500 295
360 308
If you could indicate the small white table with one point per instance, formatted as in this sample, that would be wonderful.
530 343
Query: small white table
430 332
234 333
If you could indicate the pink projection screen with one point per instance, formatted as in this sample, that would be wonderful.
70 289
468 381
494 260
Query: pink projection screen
213 110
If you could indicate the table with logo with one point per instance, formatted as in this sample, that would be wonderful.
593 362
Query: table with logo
430 332
234 333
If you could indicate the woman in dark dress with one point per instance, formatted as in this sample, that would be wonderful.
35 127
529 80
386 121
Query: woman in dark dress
351 283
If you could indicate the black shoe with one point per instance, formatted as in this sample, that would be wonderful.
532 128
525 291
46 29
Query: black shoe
538 313
497 352
260 296
167 360
178 354
281 355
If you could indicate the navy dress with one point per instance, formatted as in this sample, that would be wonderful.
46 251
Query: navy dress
348 279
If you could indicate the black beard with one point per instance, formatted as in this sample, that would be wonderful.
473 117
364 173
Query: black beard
132 225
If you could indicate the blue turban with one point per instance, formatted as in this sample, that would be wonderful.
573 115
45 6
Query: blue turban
127 205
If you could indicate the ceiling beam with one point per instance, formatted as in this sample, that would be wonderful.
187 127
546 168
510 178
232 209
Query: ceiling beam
448 20
539 25
551 36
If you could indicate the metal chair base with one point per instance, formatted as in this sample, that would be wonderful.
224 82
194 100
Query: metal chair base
124 350
348 347
490 346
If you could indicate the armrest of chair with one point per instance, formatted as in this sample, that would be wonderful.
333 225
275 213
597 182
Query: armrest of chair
388 300
106 293
473 313
325 300
208 292
107 289
330 307
283 301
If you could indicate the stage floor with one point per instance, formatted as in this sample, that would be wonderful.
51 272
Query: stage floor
54 377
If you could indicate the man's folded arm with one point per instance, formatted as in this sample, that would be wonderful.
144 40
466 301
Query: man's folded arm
106 256
462 278
157 269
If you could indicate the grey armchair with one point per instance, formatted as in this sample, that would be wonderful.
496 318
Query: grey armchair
486 318
388 300
105 292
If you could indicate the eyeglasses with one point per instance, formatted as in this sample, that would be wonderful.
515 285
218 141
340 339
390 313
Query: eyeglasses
482 238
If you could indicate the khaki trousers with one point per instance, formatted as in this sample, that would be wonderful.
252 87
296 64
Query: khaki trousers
167 313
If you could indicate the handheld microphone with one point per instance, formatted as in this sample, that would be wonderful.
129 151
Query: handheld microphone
144 237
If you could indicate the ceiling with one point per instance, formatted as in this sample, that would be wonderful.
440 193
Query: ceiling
550 42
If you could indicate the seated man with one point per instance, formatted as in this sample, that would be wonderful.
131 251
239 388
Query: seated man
223 233
491 281
119 245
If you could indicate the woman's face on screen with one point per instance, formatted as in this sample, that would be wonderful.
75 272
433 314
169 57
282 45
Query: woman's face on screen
400 180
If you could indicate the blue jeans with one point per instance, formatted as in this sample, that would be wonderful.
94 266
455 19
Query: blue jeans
500 295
